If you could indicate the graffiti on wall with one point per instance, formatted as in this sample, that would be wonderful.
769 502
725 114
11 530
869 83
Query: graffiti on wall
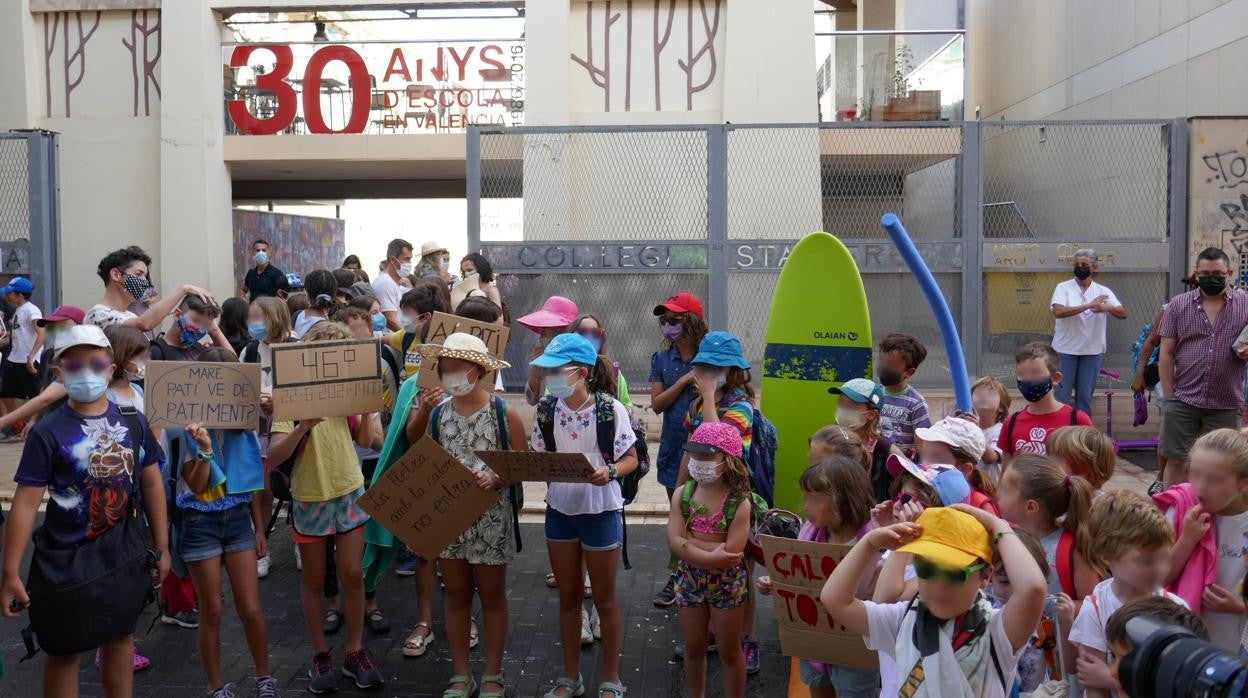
1218 182
663 55
298 244
128 43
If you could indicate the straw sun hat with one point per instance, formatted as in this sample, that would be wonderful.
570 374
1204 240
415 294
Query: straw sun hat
462 345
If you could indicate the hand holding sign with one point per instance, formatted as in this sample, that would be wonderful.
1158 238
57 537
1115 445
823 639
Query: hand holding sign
326 379
214 395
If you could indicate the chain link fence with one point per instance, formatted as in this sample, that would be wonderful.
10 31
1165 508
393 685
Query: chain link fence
619 218
30 212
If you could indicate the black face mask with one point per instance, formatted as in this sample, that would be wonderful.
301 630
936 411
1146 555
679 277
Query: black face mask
889 377
1211 285
1083 273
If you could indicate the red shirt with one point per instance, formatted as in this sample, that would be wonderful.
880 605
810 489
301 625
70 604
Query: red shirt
1024 432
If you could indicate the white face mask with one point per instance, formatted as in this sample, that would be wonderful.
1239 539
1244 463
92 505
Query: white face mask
703 471
457 384
405 269
446 264
848 417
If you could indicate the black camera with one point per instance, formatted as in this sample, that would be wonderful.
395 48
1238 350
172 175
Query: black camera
1169 661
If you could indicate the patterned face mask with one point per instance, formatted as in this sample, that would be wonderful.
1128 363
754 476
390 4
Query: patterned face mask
136 286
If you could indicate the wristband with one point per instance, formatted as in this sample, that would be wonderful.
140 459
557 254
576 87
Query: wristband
611 473
996 537
204 456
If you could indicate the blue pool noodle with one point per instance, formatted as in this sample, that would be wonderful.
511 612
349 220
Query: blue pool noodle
936 299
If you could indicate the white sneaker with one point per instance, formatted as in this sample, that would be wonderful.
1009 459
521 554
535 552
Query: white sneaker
298 559
587 634
595 623
262 567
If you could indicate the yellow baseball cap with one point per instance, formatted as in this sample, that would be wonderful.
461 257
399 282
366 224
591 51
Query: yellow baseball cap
950 539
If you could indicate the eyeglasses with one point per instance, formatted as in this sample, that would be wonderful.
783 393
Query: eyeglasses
926 571
98 364
671 320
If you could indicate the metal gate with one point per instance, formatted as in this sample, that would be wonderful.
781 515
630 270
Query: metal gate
619 218
30 212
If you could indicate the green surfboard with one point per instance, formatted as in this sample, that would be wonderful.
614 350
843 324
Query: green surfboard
818 336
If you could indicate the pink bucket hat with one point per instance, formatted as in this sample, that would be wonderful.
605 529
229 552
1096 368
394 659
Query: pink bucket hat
715 436
557 311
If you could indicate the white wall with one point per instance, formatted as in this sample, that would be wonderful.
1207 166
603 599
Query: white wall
1082 59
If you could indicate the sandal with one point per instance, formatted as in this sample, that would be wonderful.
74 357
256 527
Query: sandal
469 689
497 680
550 580
418 643
616 689
377 622
474 635
573 688
333 621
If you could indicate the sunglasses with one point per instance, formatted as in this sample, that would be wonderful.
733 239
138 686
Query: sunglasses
671 320
97 364
927 571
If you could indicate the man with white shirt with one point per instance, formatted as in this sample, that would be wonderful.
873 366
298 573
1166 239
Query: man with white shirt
1080 306
388 284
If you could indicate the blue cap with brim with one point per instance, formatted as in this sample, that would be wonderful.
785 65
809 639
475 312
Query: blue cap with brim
567 348
18 284
722 349
861 391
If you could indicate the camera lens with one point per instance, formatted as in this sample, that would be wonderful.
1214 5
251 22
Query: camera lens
1169 662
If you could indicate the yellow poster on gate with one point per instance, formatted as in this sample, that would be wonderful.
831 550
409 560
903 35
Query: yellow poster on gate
1019 302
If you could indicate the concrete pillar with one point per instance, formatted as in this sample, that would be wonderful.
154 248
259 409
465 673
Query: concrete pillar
18 49
196 230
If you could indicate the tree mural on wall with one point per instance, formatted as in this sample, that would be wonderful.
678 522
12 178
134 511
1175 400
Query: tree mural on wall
707 50
600 76
660 44
75 58
142 33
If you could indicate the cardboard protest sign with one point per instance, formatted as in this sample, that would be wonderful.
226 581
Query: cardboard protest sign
798 570
427 498
217 395
538 466
442 326
326 379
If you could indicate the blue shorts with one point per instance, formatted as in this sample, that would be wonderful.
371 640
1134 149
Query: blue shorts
848 682
595 532
209 534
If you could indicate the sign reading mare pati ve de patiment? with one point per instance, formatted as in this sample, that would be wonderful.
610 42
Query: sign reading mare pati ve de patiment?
216 395
427 498
326 379
798 571
442 325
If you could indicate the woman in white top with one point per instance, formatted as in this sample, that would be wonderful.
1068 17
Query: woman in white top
583 520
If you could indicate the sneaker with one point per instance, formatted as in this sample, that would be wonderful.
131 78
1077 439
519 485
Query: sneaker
138 661
262 567
266 687
184 619
587 635
361 667
749 647
667 595
595 623
407 567
321 675
226 691
1156 488
298 559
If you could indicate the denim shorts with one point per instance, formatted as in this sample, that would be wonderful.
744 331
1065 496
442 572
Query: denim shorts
595 532
848 682
209 534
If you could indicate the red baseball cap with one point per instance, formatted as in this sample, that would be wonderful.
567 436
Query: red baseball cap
680 303
65 312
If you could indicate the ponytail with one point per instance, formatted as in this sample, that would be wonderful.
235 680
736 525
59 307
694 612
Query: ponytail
1079 504
1066 498
601 377
980 481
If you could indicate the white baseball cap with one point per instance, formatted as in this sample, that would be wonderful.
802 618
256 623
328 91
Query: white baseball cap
956 432
78 336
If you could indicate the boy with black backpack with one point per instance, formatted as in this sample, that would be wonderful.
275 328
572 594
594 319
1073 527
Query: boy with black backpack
90 573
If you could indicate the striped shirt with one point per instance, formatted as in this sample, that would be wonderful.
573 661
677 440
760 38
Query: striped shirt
735 409
1207 374
901 414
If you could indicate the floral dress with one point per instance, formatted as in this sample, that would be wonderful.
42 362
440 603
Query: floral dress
490 539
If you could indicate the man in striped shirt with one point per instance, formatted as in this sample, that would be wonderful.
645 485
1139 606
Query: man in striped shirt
1202 376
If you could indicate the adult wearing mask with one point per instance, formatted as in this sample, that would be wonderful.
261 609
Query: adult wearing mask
435 263
555 315
1202 374
1080 306
672 392
398 266
125 276
264 279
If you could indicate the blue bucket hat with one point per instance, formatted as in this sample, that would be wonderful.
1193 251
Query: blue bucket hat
861 391
723 349
567 348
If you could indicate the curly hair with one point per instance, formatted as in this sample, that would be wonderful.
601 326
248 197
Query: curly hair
120 259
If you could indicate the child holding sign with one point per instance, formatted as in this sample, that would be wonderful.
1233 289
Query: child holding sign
837 497
583 520
707 530
222 522
947 641
474 420
326 483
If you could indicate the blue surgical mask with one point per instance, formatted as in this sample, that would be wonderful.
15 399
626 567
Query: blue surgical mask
379 322
189 333
85 385
257 331
557 385
262 258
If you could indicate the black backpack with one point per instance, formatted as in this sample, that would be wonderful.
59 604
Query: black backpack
88 595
